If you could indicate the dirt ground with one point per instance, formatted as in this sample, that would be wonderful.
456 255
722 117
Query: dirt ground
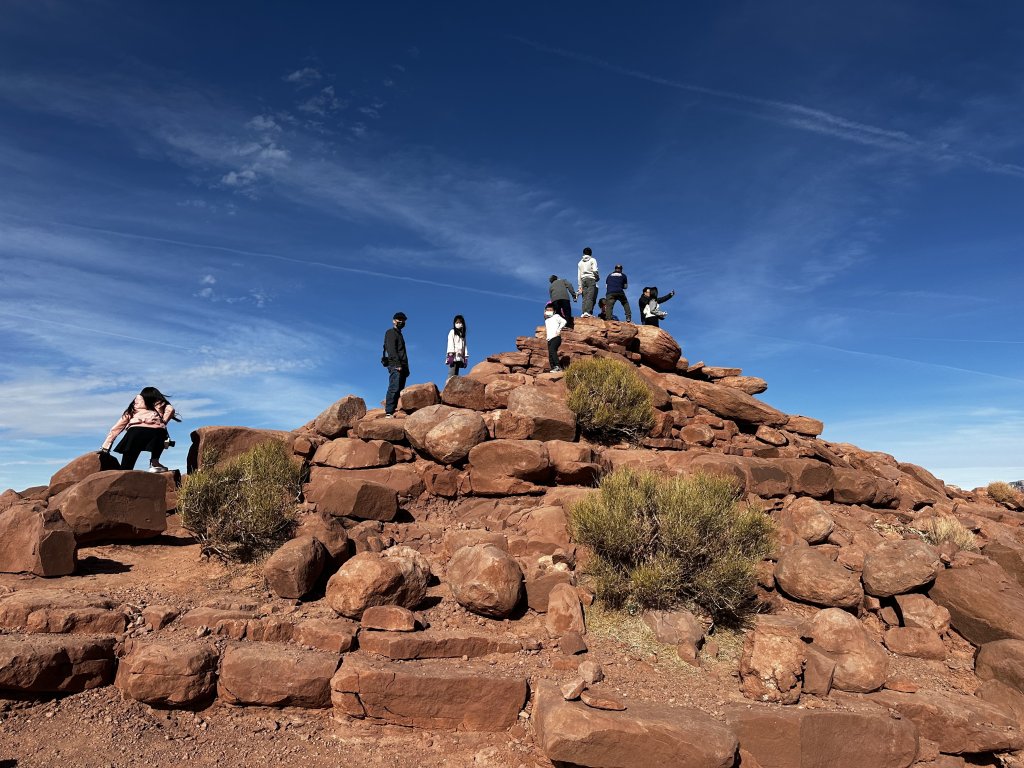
98 729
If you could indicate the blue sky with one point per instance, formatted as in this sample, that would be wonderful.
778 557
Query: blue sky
229 201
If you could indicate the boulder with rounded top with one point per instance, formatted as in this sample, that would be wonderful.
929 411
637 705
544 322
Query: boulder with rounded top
397 576
806 574
772 660
807 519
450 441
485 580
352 453
861 663
79 469
983 601
657 348
295 567
116 506
418 424
330 532
1002 660
729 403
896 567
417 396
341 416
215 446
464 392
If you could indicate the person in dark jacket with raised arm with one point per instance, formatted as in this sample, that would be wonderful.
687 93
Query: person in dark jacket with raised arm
615 290
560 290
397 362
650 306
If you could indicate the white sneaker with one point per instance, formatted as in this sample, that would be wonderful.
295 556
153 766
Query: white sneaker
158 468
586 314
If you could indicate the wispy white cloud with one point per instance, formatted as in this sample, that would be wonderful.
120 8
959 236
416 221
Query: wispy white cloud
304 76
811 119
324 103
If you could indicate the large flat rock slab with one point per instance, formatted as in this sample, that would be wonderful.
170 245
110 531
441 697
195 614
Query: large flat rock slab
788 737
984 602
60 611
434 644
642 735
47 664
425 695
166 674
276 675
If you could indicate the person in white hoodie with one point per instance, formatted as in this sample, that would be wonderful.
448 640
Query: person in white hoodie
587 276
458 353
553 325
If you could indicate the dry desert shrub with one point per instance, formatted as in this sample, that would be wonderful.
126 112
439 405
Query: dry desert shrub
244 508
1004 493
660 542
609 398
942 528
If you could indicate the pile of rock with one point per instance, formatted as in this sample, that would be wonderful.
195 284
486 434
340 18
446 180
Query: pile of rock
853 585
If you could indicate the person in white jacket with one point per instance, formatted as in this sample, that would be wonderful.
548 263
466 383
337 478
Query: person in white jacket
458 353
553 325
587 275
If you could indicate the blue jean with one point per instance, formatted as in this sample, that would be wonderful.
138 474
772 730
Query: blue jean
396 383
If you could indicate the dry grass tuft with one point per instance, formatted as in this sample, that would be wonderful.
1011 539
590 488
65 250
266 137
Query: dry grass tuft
1004 493
942 528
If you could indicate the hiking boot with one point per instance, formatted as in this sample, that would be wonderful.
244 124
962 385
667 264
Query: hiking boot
158 468
556 369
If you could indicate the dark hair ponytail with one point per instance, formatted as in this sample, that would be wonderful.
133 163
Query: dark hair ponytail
151 396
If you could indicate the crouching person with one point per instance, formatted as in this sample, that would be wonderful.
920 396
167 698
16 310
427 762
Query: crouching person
144 423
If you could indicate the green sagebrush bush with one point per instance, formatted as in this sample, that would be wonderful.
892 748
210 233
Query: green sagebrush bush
662 541
246 507
610 399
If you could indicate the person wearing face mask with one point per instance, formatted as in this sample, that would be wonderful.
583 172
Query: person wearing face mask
457 352
396 360
553 325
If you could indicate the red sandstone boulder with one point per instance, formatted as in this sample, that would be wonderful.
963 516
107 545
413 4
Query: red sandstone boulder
861 663
773 659
1009 555
427 696
450 441
116 506
340 417
79 469
344 495
677 627
806 574
896 567
918 611
435 644
422 421
852 486
55 663
804 425
565 611
485 580
44 607
374 426
388 618
657 348
984 603
958 724
36 540
808 520
1002 660
294 569
275 675
496 391
397 576
350 453
916 642
640 736
752 385
220 445
551 417
330 532
334 635
165 674
523 459
792 737
729 403
417 396
463 392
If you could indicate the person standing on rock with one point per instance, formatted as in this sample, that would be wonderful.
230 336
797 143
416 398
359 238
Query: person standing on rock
615 290
396 359
457 353
146 419
553 325
650 306
587 274
560 290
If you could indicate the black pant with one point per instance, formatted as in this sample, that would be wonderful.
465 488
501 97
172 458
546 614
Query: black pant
396 383
609 305
564 308
553 345
131 455
652 321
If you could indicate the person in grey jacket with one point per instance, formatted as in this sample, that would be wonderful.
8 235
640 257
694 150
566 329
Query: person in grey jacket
397 361
560 290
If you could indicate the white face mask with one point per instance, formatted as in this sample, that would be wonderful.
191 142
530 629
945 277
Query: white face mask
549 314
458 325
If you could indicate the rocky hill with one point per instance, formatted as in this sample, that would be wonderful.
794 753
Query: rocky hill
432 584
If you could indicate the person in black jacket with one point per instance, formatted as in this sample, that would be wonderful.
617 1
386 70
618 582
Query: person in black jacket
397 361
650 309
615 290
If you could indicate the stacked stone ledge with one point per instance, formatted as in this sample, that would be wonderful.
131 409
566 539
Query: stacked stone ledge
851 584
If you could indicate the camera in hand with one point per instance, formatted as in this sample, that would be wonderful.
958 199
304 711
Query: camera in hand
168 443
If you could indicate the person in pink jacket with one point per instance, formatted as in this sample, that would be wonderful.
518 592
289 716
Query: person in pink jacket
145 420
